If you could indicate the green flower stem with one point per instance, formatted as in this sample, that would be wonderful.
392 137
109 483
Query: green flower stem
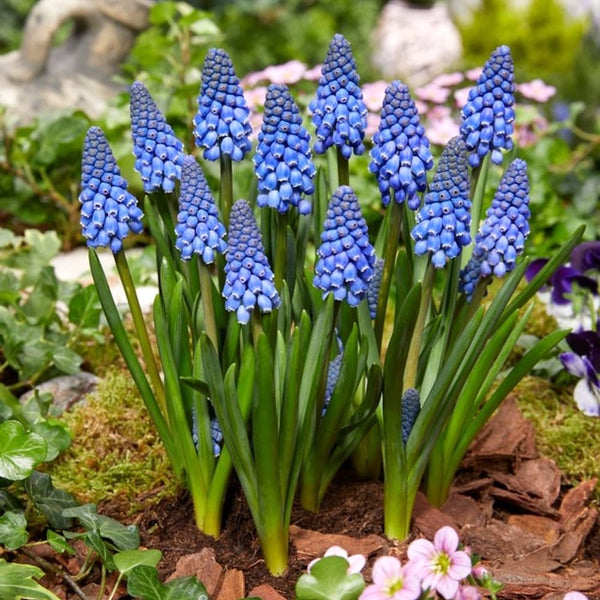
389 260
210 323
281 248
342 169
226 187
478 181
140 328
274 544
412 360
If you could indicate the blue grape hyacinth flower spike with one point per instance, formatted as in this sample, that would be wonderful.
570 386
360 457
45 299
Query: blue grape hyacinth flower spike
411 407
401 155
346 258
198 230
444 220
488 115
339 113
501 237
283 163
248 276
108 211
221 125
374 286
158 153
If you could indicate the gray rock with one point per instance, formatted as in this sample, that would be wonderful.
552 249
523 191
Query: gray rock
415 44
79 73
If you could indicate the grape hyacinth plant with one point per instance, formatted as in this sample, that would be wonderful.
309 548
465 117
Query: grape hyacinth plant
289 337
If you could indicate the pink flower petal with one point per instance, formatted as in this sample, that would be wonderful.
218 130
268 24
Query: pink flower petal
447 587
460 565
419 549
386 568
446 539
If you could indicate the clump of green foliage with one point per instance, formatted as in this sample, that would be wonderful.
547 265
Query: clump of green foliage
533 34
115 455
12 19
563 433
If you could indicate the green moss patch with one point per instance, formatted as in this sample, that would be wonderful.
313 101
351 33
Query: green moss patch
563 433
116 455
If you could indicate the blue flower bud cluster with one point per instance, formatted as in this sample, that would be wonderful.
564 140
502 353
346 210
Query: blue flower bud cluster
158 153
198 230
248 276
345 257
400 157
221 125
217 436
333 374
444 220
282 162
339 113
502 235
108 211
374 285
488 115
411 407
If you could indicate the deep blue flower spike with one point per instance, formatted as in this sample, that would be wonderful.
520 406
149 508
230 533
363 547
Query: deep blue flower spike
108 211
374 286
401 155
501 237
488 115
282 162
158 153
444 220
198 230
346 258
221 125
411 407
248 276
339 113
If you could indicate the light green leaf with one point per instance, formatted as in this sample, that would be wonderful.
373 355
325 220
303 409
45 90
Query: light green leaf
13 530
329 580
129 559
16 583
143 583
20 451
58 543
185 588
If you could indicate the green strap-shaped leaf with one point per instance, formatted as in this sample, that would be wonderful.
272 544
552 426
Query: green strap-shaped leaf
20 451
16 583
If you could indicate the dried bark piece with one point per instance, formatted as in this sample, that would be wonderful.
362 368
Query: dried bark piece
545 528
427 519
202 565
575 500
313 544
265 592
507 434
466 511
524 502
232 586
541 477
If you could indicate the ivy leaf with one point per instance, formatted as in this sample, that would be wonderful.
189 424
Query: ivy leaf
56 435
329 580
143 583
58 543
13 530
16 583
129 559
20 451
85 309
50 500
185 588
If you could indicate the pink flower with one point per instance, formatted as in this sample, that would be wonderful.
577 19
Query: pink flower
447 79
536 90
287 73
575 596
392 580
255 97
356 562
372 124
440 130
441 565
433 93
467 592
480 572
253 78
473 74
461 96
314 74
373 94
